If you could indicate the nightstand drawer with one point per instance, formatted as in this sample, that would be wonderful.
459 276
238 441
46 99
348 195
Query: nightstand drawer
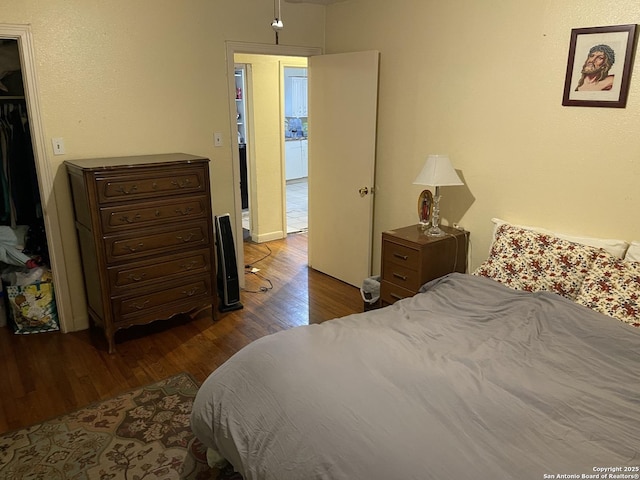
400 255
401 275
391 293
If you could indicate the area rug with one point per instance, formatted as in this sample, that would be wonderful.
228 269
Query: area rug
142 434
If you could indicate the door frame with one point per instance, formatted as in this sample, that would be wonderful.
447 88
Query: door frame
257 49
44 170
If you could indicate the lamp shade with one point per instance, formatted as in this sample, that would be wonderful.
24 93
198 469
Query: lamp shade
438 172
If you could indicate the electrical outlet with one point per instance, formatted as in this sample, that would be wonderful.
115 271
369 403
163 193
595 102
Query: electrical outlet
58 146
217 139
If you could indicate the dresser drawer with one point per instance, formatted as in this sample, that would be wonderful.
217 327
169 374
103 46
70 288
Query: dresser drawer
149 272
144 243
156 183
148 214
391 293
401 275
163 297
400 255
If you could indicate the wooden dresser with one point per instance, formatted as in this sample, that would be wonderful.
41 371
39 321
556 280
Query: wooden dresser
410 258
145 230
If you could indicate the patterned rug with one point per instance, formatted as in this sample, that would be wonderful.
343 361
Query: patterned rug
142 434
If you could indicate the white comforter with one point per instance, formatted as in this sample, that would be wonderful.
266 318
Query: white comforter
468 380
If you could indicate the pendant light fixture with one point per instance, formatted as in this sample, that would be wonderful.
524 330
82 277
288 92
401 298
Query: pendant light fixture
277 24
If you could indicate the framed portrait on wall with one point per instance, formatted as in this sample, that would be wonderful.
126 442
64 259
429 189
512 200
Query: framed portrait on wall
599 66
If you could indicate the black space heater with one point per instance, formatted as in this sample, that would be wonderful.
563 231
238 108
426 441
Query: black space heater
228 282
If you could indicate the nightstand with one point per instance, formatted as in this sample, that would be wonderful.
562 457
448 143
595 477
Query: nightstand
410 258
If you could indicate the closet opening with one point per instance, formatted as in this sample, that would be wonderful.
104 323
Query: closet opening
27 304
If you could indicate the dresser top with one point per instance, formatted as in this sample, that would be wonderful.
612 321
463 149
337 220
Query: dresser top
133 161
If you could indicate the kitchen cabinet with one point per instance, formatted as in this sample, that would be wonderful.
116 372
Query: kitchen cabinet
296 159
304 157
295 92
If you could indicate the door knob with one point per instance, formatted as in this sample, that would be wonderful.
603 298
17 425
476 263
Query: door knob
363 191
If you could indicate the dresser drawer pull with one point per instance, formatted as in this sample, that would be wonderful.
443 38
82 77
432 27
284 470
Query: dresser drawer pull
140 306
396 296
190 293
136 278
401 277
126 191
401 257
184 212
181 183
185 238
189 266
135 248
127 219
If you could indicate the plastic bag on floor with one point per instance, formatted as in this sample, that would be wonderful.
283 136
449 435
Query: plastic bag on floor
32 307
370 292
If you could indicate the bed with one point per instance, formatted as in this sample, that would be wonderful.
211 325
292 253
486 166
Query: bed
526 369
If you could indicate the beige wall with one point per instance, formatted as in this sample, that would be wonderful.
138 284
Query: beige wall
483 81
125 77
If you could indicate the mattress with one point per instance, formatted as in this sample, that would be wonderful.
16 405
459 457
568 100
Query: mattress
468 379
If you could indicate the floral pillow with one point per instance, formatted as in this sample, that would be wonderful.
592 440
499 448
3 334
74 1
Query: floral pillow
526 260
612 287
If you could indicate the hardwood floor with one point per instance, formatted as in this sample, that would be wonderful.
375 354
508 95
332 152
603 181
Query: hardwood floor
49 374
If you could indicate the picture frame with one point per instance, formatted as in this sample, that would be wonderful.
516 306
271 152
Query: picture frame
425 207
599 66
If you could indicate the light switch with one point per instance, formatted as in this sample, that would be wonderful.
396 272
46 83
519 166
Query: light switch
58 146
217 139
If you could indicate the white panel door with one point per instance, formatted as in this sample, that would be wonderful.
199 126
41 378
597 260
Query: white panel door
343 105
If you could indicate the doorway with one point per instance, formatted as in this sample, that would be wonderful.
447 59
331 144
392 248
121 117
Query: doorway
271 119
296 151
45 177
255 206
335 156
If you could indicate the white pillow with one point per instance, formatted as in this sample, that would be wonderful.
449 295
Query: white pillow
633 252
617 248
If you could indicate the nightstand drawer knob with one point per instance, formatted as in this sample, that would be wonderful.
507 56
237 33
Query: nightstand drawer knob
401 277
401 257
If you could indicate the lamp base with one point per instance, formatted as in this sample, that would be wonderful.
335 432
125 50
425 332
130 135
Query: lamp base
435 231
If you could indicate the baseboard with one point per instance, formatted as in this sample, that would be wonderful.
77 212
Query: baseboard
268 237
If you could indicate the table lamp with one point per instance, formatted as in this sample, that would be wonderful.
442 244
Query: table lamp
437 172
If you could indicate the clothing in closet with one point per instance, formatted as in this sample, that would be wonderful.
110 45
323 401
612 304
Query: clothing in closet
19 193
